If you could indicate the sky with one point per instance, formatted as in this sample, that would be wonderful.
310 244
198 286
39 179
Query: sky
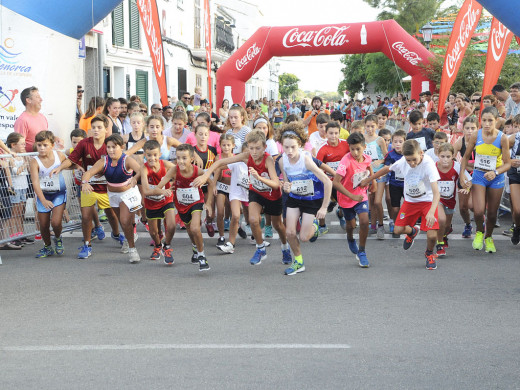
315 72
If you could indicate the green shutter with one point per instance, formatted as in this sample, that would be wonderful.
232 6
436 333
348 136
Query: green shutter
118 26
141 85
135 42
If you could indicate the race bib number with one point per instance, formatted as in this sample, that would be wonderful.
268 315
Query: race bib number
187 196
485 163
222 187
155 198
446 188
371 151
258 185
173 154
334 165
302 187
422 143
95 179
398 178
132 199
243 180
358 177
50 184
415 190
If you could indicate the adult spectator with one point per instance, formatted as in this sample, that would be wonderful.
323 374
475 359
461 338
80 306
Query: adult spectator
309 119
79 100
387 103
184 102
277 114
95 107
31 121
379 101
357 111
223 111
304 107
111 110
452 116
135 98
123 114
503 98
264 106
294 110
156 109
167 113
428 101
513 104
369 108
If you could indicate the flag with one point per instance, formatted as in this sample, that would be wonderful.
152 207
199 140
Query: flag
207 34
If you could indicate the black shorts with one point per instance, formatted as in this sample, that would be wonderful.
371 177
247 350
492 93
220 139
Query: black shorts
271 207
186 217
396 195
223 193
514 178
159 213
305 206
334 195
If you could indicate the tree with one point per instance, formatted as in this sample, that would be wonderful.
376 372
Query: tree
288 84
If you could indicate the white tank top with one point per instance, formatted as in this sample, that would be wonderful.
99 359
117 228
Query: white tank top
46 171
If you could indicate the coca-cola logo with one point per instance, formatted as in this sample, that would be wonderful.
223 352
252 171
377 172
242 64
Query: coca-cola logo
145 7
327 36
465 31
251 53
410 56
498 40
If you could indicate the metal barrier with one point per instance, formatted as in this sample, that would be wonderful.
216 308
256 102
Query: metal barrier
18 201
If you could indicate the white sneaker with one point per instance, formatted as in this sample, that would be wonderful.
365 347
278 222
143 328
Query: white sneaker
228 248
136 236
134 255
252 241
247 228
125 247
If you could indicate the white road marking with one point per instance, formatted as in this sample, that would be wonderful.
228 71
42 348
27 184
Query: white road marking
133 347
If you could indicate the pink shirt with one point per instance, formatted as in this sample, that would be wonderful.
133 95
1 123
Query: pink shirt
353 172
214 140
29 125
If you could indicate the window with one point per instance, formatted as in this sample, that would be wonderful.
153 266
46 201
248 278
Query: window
135 41
197 43
118 26
198 80
141 85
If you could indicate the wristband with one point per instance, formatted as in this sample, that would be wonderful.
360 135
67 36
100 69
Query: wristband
84 182
496 172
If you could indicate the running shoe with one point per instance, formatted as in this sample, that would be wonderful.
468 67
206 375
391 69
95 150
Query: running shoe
241 232
363 261
380 232
352 245
194 256
323 230
247 229
478 241
145 224
431 260
58 243
85 252
286 256
515 238
391 226
268 231
221 242
445 245
98 232
441 252
38 237
262 221
259 255
125 247
228 248
156 254
342 221
408 240
509 232
168 256
203 263
331 206
102 216
467 231
227 222
46 251
27 240
316 231
490 245
133 256
296 267
372 231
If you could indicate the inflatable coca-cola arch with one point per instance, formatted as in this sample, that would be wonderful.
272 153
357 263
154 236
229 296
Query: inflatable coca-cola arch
350 38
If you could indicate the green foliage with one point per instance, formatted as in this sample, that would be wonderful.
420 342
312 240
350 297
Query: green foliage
288 84
355 74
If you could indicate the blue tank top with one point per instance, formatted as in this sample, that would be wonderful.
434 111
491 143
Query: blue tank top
117 174
165 149
304 184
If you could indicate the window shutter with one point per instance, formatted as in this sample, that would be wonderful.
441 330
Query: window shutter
141 85
135 42
118 26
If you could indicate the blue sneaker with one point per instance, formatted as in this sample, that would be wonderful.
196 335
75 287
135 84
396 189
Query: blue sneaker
227 222
58 242
85 252
467 231
353 246
323 230
316 232
121 238
286 256
259 255
262 222
46 251
342 221
363 261
295 268
391 226
268 233
98 231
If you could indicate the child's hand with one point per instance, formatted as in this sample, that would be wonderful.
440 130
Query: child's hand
254 173
167 193
322 212
48 204
373 188
430 219
490 175
356 198
364 182
199 181
86 188
286 185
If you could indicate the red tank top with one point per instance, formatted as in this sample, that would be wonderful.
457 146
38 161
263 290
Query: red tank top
259 187
448 186
186 195
226 173
155 202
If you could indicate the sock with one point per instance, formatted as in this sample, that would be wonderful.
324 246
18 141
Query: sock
373 226
298 258
116 235
285 246
158 245
428 252
323 225
201 253
166 246
390 220
351 239
361 249
220 237
440 242
413 232
380 225
194 248
261 246
87 243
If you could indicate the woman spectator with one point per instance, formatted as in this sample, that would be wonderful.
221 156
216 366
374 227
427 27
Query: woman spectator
95 106
223 111
111 110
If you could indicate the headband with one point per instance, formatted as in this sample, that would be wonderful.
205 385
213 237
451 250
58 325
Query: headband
259 120
290 132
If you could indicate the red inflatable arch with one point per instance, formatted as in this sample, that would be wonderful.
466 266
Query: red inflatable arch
352 38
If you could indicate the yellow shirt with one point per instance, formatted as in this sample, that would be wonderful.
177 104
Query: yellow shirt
343 133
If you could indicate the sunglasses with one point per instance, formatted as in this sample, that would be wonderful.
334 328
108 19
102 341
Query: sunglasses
185 97
236 105
475 100
144 111
81 90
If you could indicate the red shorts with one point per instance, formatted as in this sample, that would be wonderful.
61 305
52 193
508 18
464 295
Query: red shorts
409 213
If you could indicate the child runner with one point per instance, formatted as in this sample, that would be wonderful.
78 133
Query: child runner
308 187
352 196
203 118
264 192
223 181
50 191
395 184
189 200
236 125
514 186
438 139
423 135
86 154
382 114
319 138
492 160
123 194
158 201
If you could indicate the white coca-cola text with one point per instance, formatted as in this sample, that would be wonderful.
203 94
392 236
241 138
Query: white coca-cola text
410 56
251 53
156 46
327 36
465 31
497 41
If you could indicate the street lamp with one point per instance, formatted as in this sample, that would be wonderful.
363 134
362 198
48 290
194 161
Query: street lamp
427 31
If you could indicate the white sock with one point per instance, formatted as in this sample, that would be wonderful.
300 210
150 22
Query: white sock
200 253
285 246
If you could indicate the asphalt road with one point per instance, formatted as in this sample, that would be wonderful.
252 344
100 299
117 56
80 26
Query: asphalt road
103 323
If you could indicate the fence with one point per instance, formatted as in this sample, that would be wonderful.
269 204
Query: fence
18 200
